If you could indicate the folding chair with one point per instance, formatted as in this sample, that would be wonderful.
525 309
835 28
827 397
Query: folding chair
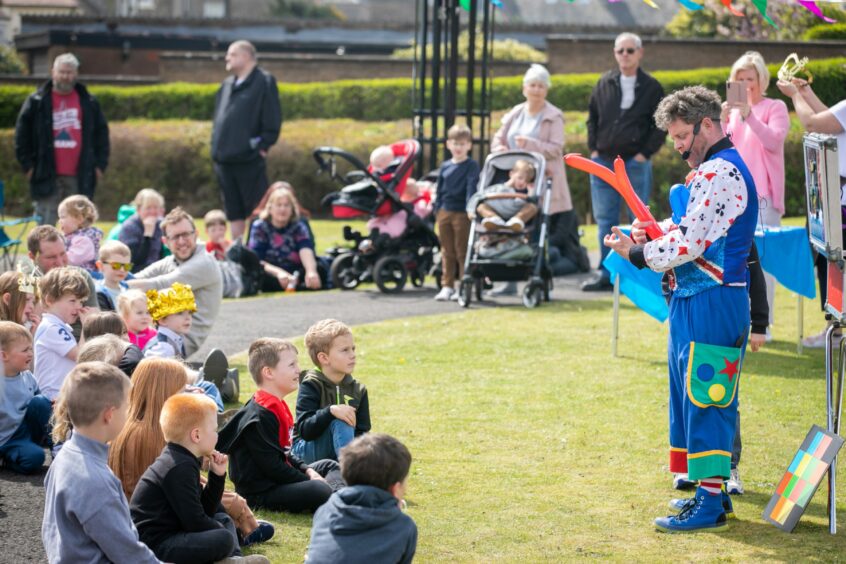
9 245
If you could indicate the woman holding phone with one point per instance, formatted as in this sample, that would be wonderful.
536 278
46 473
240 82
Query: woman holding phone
758 126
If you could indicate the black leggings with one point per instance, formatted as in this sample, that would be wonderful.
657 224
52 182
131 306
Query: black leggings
206 546
301 496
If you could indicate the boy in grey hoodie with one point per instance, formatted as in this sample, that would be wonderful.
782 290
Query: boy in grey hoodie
364 522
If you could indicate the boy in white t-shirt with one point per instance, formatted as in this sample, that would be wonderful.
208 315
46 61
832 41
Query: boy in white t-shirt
63 291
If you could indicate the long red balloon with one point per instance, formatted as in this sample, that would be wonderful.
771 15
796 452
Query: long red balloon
619 180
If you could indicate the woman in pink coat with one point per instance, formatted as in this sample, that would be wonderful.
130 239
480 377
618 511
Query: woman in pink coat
758 129
538 126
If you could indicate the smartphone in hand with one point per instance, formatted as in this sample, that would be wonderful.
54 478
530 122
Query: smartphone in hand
735 93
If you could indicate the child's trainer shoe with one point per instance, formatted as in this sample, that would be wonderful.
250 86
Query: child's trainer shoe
493 223
681 482
515 224
734 485
680 504
705 513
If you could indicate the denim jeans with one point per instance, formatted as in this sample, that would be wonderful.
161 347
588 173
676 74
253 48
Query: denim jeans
211 391
24 451
606 201
328 445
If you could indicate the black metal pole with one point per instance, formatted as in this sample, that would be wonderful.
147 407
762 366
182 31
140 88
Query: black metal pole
471 63
435 100
454 29
485 118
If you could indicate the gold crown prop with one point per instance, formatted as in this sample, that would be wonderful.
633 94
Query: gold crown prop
792 66
27 283
176 299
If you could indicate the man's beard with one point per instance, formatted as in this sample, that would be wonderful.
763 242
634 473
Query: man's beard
63 87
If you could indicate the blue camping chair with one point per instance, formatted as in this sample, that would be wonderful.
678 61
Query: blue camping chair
9 245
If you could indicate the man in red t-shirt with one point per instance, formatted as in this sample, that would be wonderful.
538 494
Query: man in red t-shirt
61 140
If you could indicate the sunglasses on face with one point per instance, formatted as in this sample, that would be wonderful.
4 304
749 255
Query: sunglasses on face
127 266
178 236
629 50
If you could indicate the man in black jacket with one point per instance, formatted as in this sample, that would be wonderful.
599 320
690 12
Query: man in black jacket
620 123
61 140
247 120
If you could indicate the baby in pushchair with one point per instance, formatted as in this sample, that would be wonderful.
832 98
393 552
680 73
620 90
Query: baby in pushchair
508 212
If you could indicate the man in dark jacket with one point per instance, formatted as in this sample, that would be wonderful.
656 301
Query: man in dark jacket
61 140
620 123
247 120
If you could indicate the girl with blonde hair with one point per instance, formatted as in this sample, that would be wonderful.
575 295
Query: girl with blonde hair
19 300
141 441
77 215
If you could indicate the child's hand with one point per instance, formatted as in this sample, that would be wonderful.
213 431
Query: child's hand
85 312
313 475
149 225
218 463
345 413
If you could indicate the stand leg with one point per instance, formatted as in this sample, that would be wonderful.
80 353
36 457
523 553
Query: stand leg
831 423
800 322
615 323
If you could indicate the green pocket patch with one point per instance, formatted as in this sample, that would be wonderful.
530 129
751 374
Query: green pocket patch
713 373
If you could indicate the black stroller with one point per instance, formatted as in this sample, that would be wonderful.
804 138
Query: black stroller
525 255
387 261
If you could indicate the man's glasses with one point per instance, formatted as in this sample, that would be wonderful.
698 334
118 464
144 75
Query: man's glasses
629 50
177 236
127 266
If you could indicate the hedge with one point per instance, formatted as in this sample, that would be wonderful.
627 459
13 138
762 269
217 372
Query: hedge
826 31
173 156
384 99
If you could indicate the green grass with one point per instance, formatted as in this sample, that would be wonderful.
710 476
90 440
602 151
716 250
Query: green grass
531 443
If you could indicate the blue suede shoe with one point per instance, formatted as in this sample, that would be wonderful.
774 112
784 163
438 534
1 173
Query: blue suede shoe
705 513
264 532
680 504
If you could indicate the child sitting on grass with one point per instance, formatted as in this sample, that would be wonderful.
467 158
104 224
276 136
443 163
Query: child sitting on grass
171 310
86 516
332 407
176 517
64 291
77 215
24 412
364 522
508 213
132 306
142 232
258 438
103 323
115 264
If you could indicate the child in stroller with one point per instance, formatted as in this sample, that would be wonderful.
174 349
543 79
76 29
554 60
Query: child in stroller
400 243
511 212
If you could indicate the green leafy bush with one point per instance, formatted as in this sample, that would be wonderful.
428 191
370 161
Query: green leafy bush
826 31
503 50
10 61
384 99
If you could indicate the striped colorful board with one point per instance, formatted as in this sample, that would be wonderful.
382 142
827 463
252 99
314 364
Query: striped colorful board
802 478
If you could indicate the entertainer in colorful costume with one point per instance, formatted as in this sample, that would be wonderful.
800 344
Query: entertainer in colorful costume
706 255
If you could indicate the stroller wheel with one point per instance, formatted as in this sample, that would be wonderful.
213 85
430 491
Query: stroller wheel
465 293
532 295
479 286
418 277
343 272
390 274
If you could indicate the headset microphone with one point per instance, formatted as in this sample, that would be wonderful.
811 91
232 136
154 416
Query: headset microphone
686 154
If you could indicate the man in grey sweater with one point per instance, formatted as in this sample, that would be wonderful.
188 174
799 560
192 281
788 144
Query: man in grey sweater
189 264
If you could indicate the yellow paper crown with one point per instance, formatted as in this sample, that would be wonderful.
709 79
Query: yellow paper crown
27 283
176 299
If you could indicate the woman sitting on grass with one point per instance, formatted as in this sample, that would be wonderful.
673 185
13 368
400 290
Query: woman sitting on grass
283 242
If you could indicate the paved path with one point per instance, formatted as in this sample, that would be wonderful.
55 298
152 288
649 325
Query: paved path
239 323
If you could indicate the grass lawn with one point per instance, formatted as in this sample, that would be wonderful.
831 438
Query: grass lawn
534 444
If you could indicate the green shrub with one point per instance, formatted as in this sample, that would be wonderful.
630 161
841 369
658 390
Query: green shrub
503 50
385 99
826 31
10 61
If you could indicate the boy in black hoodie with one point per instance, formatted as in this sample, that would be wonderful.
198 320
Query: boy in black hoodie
364 522
258 439
332 406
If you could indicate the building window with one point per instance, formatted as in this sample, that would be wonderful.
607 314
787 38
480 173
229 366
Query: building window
214 9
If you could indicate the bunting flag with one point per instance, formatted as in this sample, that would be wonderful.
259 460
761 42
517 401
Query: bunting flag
762 7
732 9
812 7
690 5
466 4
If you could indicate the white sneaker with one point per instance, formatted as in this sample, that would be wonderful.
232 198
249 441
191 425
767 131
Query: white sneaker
493 223
454 296
445 294
515 224
734 485
682 482
816 341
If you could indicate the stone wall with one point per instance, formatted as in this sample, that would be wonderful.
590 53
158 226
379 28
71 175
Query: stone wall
574 53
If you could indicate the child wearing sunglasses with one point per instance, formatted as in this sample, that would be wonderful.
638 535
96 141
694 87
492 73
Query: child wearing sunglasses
115 265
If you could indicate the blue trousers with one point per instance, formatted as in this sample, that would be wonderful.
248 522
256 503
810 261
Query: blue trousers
606 202
328 445
211 390
702 436
24 451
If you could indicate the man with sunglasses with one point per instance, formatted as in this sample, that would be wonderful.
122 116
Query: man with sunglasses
189 264
621 123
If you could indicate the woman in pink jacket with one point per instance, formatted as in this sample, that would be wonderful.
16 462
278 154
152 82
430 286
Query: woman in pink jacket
536 125
758 129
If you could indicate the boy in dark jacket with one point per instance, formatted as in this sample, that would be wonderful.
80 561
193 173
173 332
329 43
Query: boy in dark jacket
258 439
364 522
176 517
332 407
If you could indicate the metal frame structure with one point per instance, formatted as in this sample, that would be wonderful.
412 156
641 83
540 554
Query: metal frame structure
435 95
